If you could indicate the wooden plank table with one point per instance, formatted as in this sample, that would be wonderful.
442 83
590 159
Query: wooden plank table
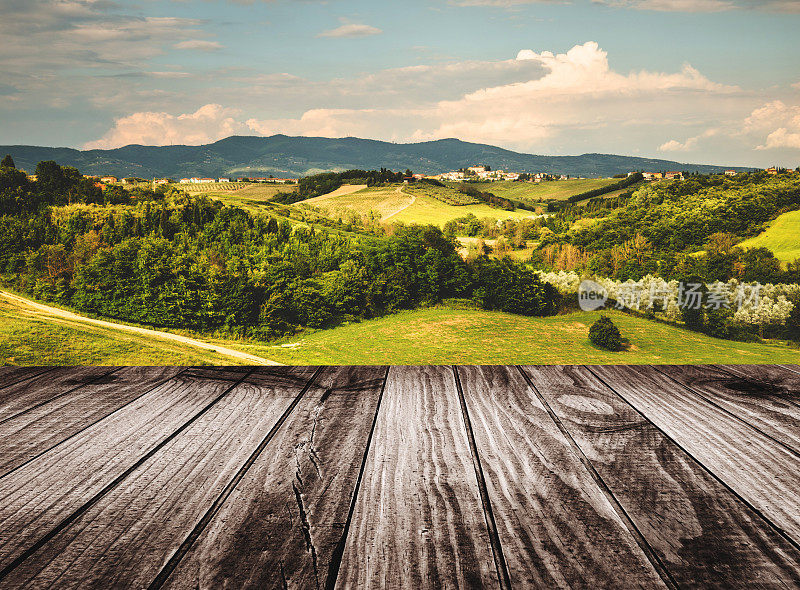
400 477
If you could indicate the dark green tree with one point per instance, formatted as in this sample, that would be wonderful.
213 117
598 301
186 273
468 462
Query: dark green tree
8 162
605 334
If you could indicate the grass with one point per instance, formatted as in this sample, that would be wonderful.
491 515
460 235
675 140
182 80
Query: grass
782 237
438 335
394 204
460 336
555 189
251 196
29 339
384 201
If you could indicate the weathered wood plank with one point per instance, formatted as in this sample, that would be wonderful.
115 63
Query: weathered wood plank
124 539
762 472
418 520
281 526
34 432
781 381
40 495
702 533
41 389
11 375
557 527
760 405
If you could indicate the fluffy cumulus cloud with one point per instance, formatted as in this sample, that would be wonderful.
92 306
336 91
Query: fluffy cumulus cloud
576 91
673 145
778 122
540 101
207 124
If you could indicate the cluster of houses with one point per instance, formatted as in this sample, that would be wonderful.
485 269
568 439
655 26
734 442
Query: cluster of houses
485 173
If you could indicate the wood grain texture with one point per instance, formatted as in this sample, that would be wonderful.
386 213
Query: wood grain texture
11 375
702 533
37 497
282 524
762 472
125 538
35 432
556 526
418 520
30 393
760 404
781 381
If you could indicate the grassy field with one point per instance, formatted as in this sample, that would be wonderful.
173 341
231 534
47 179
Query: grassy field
555 189
29 339
782 237
210 187
438 335
394 204
445 336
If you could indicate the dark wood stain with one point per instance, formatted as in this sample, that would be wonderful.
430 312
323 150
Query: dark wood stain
702 534
422 477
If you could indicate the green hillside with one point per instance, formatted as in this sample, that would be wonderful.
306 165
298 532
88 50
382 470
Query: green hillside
284 156
444 336
397 203
559 190
35 339
782 237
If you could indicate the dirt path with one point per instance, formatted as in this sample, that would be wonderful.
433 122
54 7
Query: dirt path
399 191
41 309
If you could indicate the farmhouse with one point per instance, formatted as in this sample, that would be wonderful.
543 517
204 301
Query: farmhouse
223 180
108 179
674 176
730 173
772 171
160 181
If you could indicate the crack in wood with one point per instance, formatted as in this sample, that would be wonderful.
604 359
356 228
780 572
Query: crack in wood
306 527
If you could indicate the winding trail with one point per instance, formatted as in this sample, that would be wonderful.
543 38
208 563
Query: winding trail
399 191
54 312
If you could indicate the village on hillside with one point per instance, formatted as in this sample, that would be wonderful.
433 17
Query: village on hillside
477 173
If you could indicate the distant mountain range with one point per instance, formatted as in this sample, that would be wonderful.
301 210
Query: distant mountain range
284 156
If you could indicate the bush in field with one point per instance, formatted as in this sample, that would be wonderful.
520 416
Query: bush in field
605 334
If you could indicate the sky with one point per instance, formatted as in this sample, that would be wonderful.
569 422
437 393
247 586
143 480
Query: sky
700 81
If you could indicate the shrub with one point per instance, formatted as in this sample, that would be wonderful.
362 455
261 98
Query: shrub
605 334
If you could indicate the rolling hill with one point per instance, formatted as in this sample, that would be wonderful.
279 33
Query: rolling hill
281 156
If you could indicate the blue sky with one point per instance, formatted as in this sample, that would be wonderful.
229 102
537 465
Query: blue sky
713 81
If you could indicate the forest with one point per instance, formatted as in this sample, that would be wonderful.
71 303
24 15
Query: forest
164 258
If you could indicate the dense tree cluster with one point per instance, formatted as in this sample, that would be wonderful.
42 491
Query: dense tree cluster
167 259
676 229
320 184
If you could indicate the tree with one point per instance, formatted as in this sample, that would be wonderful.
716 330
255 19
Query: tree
8 162
605 334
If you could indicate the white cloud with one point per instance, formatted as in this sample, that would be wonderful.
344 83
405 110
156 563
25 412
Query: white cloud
672 5
351 31
674 145
573 102
777 123
207 124
199 45
574 94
